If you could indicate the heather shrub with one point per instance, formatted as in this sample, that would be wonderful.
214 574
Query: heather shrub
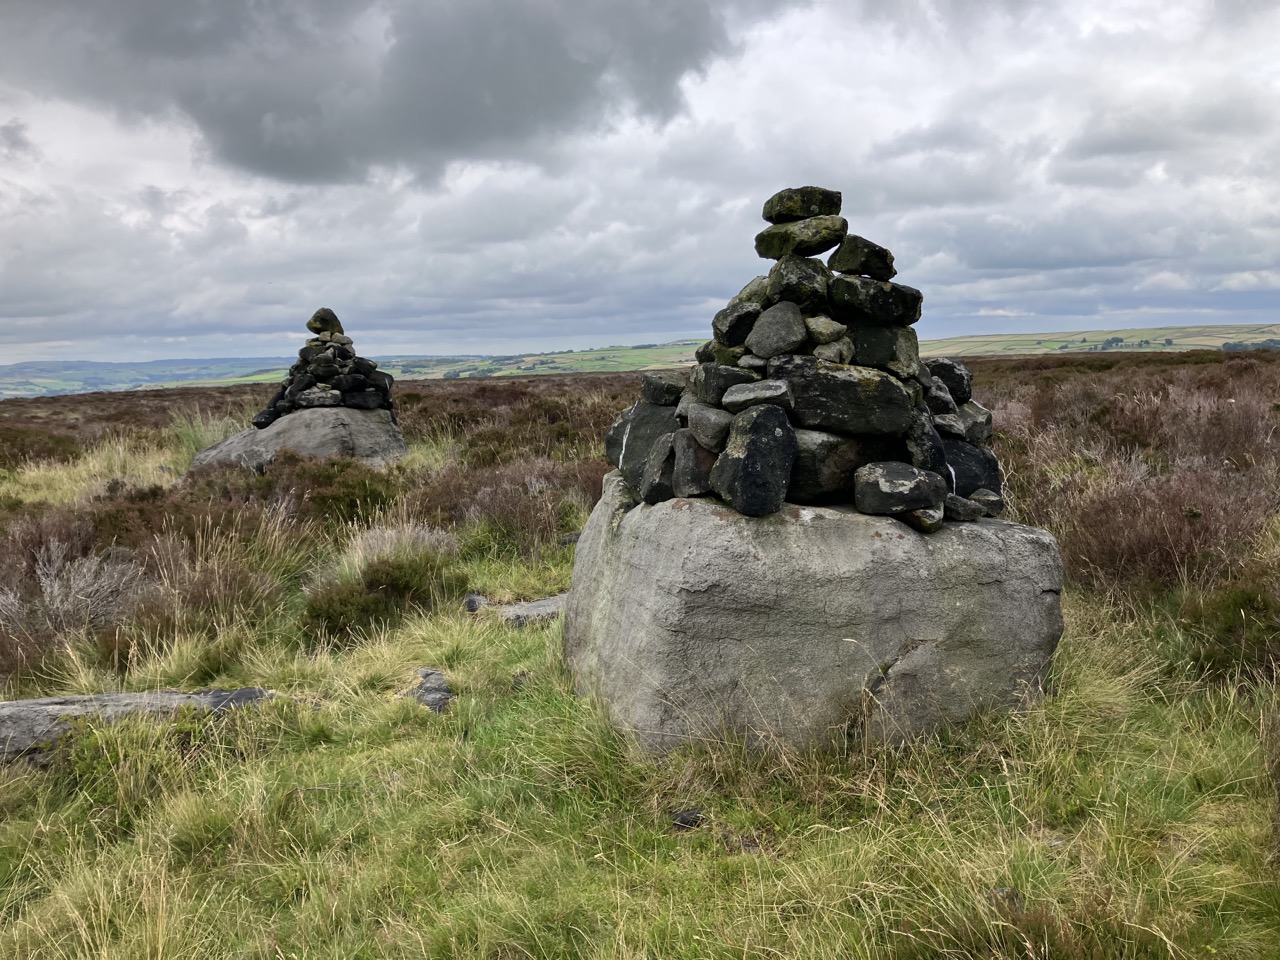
387 589
19 444
1234 628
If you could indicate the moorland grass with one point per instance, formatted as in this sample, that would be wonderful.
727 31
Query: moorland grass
1129 814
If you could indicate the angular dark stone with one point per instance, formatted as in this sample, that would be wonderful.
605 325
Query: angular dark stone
858 300
311 351
949 425
382 382
692 474
976 420
803 281
662 387
706 353
325 320
926 520
975 467
266 418
732 324
859 256
892 487
342 353
323 370
826 462
960 508
780 329
629 440
350 383
364 366
799 203
956 377
687 399
365 400
656 481
804 238
841 351
925 449
845 399
709 425
433 690
752 473
756 291
992 503
318 396
896 349
749 361
711 380
744 395
299 384
824 329
937 396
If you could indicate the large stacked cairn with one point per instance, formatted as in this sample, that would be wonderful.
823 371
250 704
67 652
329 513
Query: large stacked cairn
329 374
813 392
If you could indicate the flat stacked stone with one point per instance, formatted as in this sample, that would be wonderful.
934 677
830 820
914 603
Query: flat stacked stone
328 373
812 391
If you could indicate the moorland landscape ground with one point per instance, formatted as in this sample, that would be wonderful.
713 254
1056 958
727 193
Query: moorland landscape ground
1133 813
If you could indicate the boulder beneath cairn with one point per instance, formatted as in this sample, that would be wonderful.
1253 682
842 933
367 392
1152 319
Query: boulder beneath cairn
370 436
805 628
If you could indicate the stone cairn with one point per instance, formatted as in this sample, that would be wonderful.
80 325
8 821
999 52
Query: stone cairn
812 391
329 374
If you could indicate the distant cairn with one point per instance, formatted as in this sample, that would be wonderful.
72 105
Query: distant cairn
328 373
812 391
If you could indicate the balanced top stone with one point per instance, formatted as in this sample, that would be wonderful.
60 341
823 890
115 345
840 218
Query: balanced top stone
800 203
844 374
325 320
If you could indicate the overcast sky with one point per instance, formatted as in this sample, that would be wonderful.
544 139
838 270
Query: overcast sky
192 178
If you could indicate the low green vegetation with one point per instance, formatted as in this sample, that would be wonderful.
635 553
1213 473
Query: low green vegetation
1127 815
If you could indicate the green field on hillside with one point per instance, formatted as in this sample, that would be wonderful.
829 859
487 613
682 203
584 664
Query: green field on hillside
1085 341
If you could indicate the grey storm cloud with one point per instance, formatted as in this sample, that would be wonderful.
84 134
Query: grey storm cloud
322 90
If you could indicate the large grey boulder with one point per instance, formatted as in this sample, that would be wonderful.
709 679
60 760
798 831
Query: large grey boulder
28 728
367 435
692 623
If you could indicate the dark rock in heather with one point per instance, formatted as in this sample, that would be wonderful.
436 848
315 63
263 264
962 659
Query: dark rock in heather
727 356
841 351
689 819
925 449
749 361
318 396
955 376
706 352
29 728
752 473
711 380
325 320
949 425
473 602
800 203
656 483
976 420
861 301
709 425
937 396
530 613
780 329
975 467
629 440
826 462
662 387
824 329
992 503
732 324
860 257
845 399
926 520
801 280
432 690
895 349
963 509
804 238
737 399
892 487
692 474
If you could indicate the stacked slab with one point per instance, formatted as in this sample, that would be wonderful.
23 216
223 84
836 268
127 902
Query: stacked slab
328 373
812 391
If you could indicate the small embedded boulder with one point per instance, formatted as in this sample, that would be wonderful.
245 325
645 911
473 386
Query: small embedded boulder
662 387
976 421
657 483
751 474
732 324
860 257
955 376
711 380
826 463
975 467
780 329
691 476
841 351
860 300
709 425
846 399
736 399
632 436
963 509
801 280
892 487
804 238
992 503
895 349
799 203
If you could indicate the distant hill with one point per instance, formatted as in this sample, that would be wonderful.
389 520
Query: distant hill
72 376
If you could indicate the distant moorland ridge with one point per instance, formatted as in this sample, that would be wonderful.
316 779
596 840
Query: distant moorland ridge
42 378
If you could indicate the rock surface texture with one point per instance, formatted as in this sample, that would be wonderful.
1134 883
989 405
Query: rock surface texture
29 727
807 628
332 404
831 345
799 548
